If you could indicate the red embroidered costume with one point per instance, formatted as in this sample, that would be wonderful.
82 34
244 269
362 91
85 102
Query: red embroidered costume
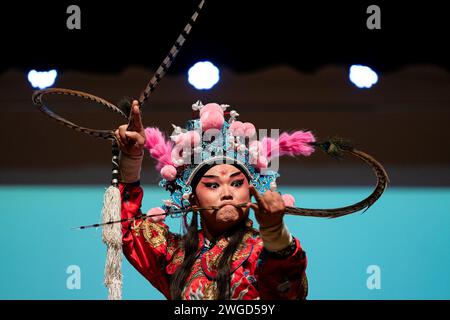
256 273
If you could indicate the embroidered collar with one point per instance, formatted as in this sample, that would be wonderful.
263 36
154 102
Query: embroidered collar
211 252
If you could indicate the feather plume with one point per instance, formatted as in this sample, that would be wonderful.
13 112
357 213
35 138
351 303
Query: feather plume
159 148
294 144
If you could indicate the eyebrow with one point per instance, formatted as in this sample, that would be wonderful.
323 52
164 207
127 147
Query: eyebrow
231 175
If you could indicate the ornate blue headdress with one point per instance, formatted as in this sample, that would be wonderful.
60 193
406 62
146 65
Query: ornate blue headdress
211 139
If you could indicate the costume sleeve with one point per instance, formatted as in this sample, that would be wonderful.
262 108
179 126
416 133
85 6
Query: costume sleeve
282 277
145 243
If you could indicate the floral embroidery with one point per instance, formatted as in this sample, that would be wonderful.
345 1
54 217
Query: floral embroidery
197 294
211 258
154 233
201 284
174 243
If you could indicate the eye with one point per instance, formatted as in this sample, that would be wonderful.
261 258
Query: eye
211 185
237 183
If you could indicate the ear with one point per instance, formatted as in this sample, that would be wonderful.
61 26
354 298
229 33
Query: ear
193 200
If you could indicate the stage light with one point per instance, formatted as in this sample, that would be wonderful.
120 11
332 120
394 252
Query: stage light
362 76
203 75
42 79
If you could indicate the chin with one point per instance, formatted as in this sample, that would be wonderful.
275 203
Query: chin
228 215
226 218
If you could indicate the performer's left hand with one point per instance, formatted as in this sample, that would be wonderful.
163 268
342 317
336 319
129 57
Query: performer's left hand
269 209
131 141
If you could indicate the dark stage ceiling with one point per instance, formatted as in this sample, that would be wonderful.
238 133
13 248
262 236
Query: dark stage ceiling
240 35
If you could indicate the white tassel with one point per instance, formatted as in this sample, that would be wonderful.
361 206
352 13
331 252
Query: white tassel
112 237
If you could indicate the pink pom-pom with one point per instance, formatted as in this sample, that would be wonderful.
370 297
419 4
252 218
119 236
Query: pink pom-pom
249 129
193 137
169 172
211 120
188 138
255 145
246 129
211 107
262 162
255 149
237 128
155 214
288 200
177 155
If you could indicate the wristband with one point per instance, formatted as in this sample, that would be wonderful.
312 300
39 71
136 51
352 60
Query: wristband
130 167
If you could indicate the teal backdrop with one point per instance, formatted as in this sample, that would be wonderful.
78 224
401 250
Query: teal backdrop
406 234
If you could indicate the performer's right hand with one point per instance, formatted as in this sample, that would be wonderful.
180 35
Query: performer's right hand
132 142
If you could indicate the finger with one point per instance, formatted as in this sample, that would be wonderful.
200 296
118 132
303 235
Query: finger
259 199
253 206
272 196
137 118
254 192
275 201
279 198
268 201
123 136
277 207
136 137
122 146
117 136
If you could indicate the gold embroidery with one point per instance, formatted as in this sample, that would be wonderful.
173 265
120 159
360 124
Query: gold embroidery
197 273
210 290
239 254
175 249
207 289
212 260
154 233
178 259
174 242
136 227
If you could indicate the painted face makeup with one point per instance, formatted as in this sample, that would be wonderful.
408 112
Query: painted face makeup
226 185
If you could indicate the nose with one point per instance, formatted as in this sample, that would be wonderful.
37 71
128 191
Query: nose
226 194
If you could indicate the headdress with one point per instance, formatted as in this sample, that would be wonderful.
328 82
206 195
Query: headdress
214 137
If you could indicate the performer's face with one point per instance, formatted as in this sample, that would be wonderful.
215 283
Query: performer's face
223 184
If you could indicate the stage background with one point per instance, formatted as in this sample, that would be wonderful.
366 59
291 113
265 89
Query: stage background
283 67
405 234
